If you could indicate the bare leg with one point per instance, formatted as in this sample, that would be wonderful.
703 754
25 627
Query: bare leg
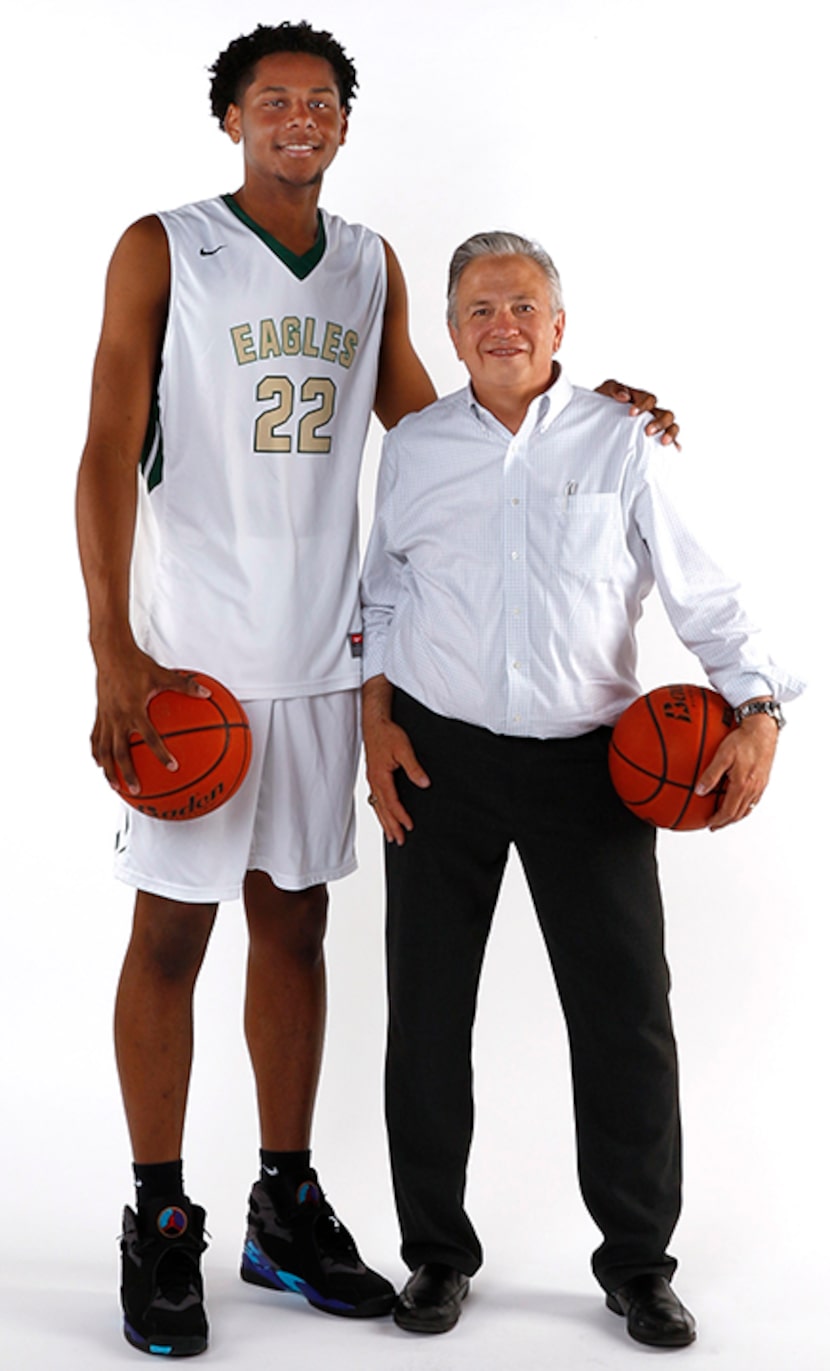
154 1021
285 1006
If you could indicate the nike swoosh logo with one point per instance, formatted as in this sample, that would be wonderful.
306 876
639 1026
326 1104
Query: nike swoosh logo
210 252
270 1170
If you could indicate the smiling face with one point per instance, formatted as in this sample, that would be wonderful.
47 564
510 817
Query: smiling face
506 329
289 119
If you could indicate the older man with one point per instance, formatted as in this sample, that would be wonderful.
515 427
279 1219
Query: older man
519 524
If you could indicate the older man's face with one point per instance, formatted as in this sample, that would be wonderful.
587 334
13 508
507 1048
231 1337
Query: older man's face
506 329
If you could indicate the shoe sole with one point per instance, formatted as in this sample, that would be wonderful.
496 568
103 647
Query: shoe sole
411 1321
256 1269
681 1339
189 1346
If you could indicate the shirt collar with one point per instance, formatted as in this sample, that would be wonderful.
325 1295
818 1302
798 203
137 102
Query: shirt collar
542 410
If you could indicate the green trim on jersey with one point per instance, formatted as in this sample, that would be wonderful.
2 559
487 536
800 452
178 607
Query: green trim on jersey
152 452
300 266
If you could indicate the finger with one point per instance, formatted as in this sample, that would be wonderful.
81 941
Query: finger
614 390
394 818
142 728
729 808
374 803
643 400
158 746
711 777
667 435
724 815
412 767
188 683
662 421
117 775
738 803
121 771
392 827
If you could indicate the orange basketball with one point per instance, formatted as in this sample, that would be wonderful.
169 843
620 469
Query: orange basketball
211 741
659 748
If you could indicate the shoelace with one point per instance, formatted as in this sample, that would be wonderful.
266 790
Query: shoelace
339 1238
176 1276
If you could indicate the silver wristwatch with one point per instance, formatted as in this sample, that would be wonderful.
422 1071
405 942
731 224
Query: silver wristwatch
770 707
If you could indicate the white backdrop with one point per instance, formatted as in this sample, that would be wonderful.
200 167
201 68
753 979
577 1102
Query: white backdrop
670 155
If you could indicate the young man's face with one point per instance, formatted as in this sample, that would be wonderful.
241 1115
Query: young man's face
506 329
289 118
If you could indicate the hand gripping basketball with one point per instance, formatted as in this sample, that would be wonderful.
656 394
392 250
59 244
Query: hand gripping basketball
659 748
211 741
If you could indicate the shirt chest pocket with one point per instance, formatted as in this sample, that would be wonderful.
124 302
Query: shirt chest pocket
589 535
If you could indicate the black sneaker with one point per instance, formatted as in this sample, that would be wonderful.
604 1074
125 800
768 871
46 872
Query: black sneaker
161 1284
296 1242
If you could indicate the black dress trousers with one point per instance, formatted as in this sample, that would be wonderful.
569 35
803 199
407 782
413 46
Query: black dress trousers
592 873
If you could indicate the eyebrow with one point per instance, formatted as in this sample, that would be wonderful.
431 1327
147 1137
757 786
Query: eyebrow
313 90
488 299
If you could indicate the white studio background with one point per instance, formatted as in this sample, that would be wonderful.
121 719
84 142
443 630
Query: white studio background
670 155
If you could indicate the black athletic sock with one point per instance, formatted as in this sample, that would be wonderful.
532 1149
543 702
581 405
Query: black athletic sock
293 1167
159 1181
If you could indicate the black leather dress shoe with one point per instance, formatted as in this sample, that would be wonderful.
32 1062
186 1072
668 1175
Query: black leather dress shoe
430 1302
653 1312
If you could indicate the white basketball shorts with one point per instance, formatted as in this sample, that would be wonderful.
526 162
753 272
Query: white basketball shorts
292 817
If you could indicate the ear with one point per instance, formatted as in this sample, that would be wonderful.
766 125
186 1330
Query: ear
558 329
344 126
454 335
233 123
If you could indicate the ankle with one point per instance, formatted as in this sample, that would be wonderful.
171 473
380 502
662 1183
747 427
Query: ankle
158 1181
290 1167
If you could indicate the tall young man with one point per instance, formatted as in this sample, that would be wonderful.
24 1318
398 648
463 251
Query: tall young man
258 332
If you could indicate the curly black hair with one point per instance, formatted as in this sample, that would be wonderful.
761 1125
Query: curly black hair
233 70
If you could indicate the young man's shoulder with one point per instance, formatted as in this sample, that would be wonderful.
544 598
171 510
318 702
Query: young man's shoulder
196 210
343 231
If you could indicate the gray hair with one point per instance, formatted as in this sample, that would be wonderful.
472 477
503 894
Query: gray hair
499 244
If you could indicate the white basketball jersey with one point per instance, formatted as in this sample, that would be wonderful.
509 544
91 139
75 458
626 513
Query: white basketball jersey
247 549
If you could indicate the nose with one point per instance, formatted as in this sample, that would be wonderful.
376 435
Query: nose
503 321
303 114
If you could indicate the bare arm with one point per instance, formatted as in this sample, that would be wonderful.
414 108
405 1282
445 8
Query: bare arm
124 377
403 384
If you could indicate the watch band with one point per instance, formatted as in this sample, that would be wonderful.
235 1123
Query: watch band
770 707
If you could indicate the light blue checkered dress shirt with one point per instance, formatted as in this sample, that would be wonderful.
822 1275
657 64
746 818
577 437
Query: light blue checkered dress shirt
505 573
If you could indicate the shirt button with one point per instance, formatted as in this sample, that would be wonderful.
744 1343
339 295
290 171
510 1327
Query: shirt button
517 718
514 501
517 666
514 556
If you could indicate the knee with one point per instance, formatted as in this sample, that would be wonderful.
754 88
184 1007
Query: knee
303 928
293 922
169 939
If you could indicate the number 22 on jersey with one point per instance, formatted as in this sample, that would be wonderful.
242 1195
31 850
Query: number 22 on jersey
277 429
